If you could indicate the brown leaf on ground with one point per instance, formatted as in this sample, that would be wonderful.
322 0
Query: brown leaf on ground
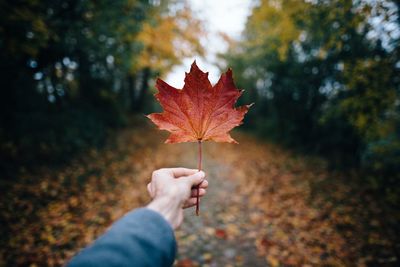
264 205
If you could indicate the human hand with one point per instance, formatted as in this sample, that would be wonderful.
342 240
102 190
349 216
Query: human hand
172 190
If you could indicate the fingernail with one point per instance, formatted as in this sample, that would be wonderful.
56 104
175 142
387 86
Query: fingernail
201 174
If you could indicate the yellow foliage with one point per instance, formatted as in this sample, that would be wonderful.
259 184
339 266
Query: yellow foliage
168 39
272 24
36 27
371 102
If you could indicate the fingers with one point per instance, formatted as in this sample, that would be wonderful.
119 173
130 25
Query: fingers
150 190
190 203
202 192
204 184
193 193
178 172
194 179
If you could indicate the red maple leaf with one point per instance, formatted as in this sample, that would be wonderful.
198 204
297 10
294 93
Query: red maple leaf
200 111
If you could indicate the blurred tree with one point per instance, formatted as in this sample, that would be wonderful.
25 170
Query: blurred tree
67 68
172 34
325 76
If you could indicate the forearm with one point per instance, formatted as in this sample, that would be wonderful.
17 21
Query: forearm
140 238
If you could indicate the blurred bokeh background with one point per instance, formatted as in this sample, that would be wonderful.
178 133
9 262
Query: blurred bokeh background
77 76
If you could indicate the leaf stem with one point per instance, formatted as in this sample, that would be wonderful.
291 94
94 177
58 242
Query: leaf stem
198 186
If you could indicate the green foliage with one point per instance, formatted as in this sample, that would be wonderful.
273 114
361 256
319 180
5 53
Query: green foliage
325 80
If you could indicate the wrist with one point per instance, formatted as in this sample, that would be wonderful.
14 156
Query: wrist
169 207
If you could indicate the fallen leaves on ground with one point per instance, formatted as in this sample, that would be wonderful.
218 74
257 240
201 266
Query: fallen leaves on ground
309 216
264 206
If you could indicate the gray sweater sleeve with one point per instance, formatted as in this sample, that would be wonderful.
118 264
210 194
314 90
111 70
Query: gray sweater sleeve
141 238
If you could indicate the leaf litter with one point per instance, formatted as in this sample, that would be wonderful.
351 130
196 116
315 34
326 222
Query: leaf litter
264 206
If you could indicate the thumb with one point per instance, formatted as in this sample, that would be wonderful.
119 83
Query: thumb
195 179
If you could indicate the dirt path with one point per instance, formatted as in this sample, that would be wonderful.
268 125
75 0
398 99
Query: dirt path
223 235
264 207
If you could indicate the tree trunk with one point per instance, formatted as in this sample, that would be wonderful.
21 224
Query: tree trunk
131 91
140 99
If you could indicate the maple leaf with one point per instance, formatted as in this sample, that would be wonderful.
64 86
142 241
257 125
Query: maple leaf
200 111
